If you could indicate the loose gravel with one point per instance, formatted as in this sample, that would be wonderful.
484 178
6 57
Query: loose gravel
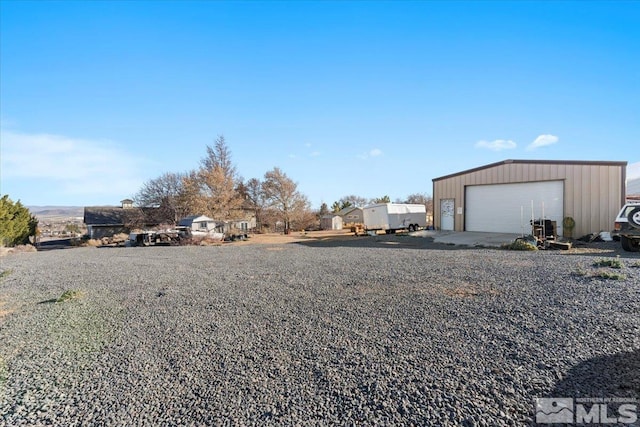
366 332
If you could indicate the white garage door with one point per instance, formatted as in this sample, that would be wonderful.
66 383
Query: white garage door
500 208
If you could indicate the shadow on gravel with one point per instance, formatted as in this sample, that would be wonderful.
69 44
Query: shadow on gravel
49 301
381 241
617 375
55 244
594 249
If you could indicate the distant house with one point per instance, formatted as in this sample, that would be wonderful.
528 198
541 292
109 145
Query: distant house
331 222
201 224
243 225
106 221
351 215
245 222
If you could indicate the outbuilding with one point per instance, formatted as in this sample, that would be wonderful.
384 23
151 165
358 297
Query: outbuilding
503 197
351 215
199 223
107 221
331 222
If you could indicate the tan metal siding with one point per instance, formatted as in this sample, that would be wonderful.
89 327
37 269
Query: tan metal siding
592 192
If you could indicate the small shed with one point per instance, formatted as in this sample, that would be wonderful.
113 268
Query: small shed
331 222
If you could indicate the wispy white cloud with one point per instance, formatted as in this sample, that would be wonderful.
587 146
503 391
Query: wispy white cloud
78 167
542 141
315 154
497 145
308 145
375 152
292 156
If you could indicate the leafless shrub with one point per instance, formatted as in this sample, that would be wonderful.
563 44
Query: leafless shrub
119 238
208 241
199 241
24 248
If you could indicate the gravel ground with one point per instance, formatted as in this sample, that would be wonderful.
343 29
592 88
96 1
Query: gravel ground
369 331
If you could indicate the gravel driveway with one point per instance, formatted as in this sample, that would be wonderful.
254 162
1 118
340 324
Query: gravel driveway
364 332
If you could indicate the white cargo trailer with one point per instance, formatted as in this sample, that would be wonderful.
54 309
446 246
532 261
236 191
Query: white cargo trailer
394 216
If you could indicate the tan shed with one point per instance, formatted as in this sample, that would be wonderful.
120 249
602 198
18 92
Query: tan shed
503 197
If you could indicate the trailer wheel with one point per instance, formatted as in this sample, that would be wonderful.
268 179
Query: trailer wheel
630 245
412 228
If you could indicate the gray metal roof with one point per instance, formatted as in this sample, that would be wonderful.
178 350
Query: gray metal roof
118 216
104 216
347 210
541 162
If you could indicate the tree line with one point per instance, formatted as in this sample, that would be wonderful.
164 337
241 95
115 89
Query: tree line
216 189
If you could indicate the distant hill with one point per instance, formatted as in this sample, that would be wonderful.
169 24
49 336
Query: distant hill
56 211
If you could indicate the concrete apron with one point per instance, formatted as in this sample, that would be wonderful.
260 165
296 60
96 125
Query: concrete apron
468 238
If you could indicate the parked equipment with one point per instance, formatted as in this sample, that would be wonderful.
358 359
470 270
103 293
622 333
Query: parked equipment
391 217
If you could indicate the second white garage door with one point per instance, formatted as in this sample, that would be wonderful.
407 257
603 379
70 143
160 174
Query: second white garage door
499 207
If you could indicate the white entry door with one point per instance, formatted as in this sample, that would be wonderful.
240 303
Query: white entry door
447 212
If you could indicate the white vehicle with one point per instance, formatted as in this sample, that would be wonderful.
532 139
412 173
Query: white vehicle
627 226
394 216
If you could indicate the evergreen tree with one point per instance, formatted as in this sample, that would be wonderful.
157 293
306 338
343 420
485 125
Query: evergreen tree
16 223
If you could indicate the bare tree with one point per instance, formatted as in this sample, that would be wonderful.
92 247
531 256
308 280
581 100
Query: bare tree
305 219
212 190
353 200
254 198
190 198
281 193
219 157
163 192
421 199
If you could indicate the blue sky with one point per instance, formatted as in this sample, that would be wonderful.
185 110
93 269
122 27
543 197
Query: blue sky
366 98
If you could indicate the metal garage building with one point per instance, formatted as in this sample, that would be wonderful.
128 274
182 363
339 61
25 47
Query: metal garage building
500 197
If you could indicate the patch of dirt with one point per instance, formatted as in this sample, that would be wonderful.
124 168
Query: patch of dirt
5 309
294 236
469 292
16 249
613 248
